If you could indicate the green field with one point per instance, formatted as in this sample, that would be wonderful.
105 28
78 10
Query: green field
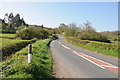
110 49
41 66
6 42
8 35
9 45
14 53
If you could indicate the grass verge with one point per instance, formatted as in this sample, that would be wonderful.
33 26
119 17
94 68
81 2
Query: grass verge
7 35
7 50
6 42
41 66
109 49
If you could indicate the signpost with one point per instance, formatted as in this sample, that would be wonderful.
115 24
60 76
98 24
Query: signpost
29 53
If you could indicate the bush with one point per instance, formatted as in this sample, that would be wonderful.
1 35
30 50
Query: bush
41 33
32 32
84 32
26 33
93 36
54 36
71 30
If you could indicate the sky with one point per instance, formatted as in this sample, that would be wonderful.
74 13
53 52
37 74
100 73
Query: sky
102 15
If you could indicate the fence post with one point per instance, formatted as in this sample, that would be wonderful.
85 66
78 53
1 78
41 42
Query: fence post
29 53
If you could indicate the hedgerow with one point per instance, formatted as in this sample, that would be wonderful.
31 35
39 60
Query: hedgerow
40 67
12 48
110 49
32 32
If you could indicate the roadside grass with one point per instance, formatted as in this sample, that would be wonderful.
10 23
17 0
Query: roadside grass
7 35
41 66
110 49
7 31
10 46
6 42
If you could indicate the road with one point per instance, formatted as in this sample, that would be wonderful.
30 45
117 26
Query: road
74 62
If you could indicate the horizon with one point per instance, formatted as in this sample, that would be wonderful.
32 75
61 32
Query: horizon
102 15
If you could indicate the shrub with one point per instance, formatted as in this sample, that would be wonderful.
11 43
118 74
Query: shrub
84 32
93 36
71 30
32 32
41 33
26 33
54 36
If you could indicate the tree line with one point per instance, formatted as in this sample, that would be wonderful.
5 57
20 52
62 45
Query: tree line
112 35
16 24
83 32
11 22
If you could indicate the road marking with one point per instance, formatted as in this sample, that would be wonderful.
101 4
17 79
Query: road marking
103 61
97 62
65 47
90 61
83 56
109 66
59 42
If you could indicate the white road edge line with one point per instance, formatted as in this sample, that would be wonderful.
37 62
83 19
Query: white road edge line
103 61
59 42
109 66
84 58
90 61
114 66
65 47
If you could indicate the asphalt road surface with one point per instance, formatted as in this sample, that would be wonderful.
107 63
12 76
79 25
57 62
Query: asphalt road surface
74 62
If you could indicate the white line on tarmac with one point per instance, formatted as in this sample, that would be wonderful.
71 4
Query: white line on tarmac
101 66
59 42
104 62
109 66
90 61
65 47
